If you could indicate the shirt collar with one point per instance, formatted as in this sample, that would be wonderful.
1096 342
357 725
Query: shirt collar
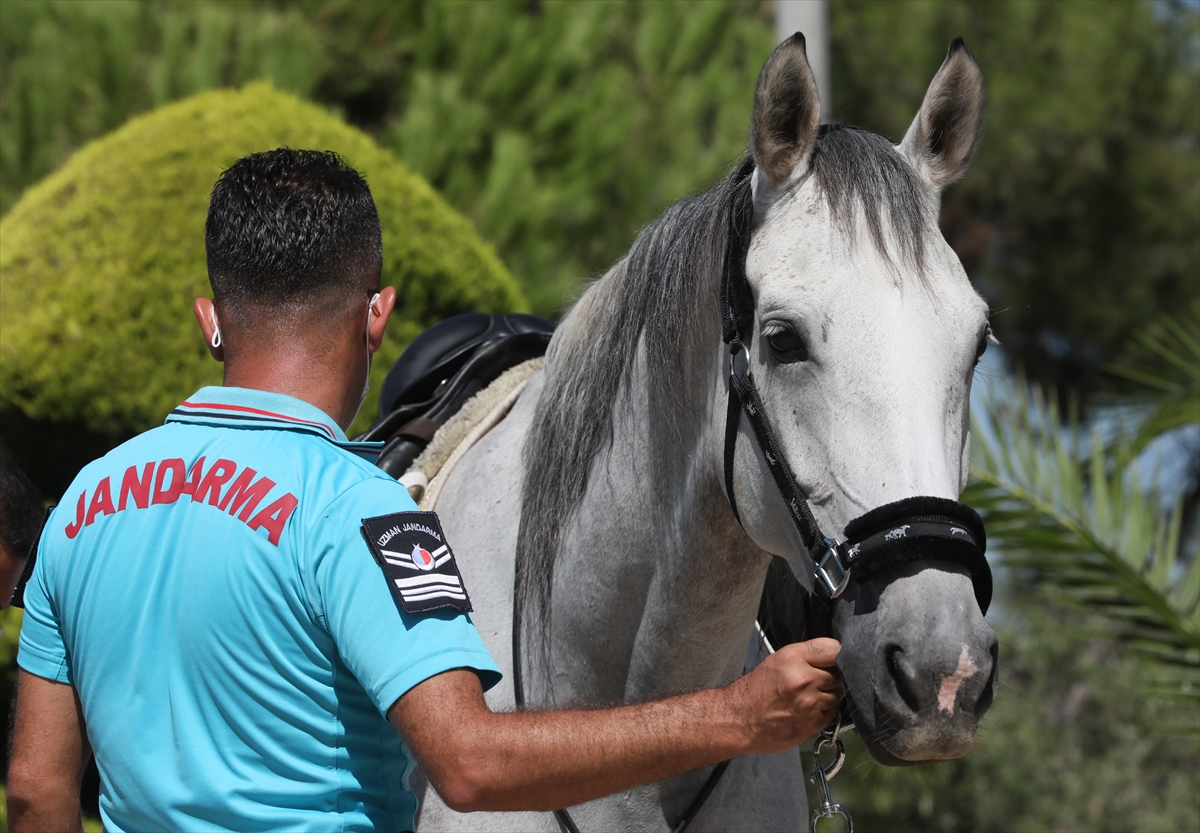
246 408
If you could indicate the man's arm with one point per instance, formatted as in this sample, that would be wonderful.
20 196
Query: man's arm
481 760
49 753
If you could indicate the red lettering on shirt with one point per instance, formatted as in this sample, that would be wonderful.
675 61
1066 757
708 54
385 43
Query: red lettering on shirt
73 529
240 491
101 502
139 488
193 478
218 475
169 494
274 517
241 499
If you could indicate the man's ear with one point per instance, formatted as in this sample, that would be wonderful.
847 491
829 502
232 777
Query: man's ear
206 315
383 311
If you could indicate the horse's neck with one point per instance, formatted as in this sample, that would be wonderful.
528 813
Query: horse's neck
656 586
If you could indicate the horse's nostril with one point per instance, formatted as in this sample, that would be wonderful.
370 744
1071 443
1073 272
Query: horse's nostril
989 688
901 678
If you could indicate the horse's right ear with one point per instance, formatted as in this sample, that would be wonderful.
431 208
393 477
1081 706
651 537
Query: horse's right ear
787 113
943 137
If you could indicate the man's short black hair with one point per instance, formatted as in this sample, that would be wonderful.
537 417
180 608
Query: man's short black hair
289 227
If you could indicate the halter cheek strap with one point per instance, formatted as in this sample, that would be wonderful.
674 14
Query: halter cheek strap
737 320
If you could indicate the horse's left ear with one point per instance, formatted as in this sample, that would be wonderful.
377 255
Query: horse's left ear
943 137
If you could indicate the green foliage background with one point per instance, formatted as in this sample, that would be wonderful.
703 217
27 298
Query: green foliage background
558 150
101 261
560 128
1080 217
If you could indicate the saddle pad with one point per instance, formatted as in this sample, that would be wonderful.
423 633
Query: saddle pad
478 415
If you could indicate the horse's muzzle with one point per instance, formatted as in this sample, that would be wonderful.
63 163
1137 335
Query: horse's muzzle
919 661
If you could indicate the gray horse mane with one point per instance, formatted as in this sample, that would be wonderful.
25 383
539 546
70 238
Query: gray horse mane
664 295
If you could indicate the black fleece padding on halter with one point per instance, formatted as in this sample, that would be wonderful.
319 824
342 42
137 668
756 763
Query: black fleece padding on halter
933 530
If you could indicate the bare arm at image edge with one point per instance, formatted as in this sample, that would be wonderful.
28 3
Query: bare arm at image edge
49 753
482 760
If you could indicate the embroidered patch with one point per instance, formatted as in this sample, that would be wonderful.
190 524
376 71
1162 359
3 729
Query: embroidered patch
417 560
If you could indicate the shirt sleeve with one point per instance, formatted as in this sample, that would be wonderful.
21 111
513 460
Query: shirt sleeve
42 649
388 651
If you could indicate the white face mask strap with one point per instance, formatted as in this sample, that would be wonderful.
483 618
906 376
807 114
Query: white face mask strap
367 382
216 336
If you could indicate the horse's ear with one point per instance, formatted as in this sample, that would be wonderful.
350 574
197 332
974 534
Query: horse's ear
787 112
943 137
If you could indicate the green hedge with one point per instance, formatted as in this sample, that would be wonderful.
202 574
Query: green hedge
101 261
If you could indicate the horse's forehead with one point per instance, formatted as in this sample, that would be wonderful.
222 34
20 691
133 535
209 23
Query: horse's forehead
797 230
801 252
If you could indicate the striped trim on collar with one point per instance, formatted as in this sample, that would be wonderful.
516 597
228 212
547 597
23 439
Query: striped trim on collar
253 415
228 415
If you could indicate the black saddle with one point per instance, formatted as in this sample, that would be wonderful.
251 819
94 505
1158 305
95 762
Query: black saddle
444 367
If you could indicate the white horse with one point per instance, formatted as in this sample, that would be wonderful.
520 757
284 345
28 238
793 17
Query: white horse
605 482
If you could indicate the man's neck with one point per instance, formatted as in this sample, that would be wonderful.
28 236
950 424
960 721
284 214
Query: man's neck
321 382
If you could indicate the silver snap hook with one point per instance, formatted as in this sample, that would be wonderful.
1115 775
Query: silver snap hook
822 773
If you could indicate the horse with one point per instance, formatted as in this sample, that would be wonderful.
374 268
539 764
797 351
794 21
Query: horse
596 524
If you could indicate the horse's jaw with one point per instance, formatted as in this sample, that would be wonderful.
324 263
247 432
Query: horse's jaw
919 663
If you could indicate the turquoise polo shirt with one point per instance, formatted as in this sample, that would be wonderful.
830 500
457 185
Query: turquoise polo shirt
207 589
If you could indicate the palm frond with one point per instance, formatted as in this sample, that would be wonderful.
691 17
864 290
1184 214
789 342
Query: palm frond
1164 360
1069 513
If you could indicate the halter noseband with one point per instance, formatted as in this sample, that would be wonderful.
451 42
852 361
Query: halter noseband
913 529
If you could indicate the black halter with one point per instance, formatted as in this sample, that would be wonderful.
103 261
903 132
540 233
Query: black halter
913 529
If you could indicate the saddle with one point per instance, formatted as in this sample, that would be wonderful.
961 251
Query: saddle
444 367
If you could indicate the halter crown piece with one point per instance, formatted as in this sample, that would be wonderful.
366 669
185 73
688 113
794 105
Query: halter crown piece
913 529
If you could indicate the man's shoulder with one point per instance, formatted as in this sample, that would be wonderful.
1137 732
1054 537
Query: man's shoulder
368 491
152 441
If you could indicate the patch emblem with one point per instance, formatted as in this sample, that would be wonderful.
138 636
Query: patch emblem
417 561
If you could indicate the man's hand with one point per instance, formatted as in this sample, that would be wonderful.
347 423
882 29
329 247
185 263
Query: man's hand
481 760
792 694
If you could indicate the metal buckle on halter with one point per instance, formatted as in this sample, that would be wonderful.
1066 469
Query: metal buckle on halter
739 360
830 571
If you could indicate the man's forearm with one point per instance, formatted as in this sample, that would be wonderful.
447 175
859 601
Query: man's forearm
43 806
549 760
480 760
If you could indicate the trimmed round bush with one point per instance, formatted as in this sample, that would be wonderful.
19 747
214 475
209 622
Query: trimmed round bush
101 261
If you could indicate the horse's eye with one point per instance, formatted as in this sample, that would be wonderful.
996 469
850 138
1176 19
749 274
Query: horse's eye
979 350
787 345
983 343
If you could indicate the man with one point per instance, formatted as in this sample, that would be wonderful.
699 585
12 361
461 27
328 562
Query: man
209 617
21 516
